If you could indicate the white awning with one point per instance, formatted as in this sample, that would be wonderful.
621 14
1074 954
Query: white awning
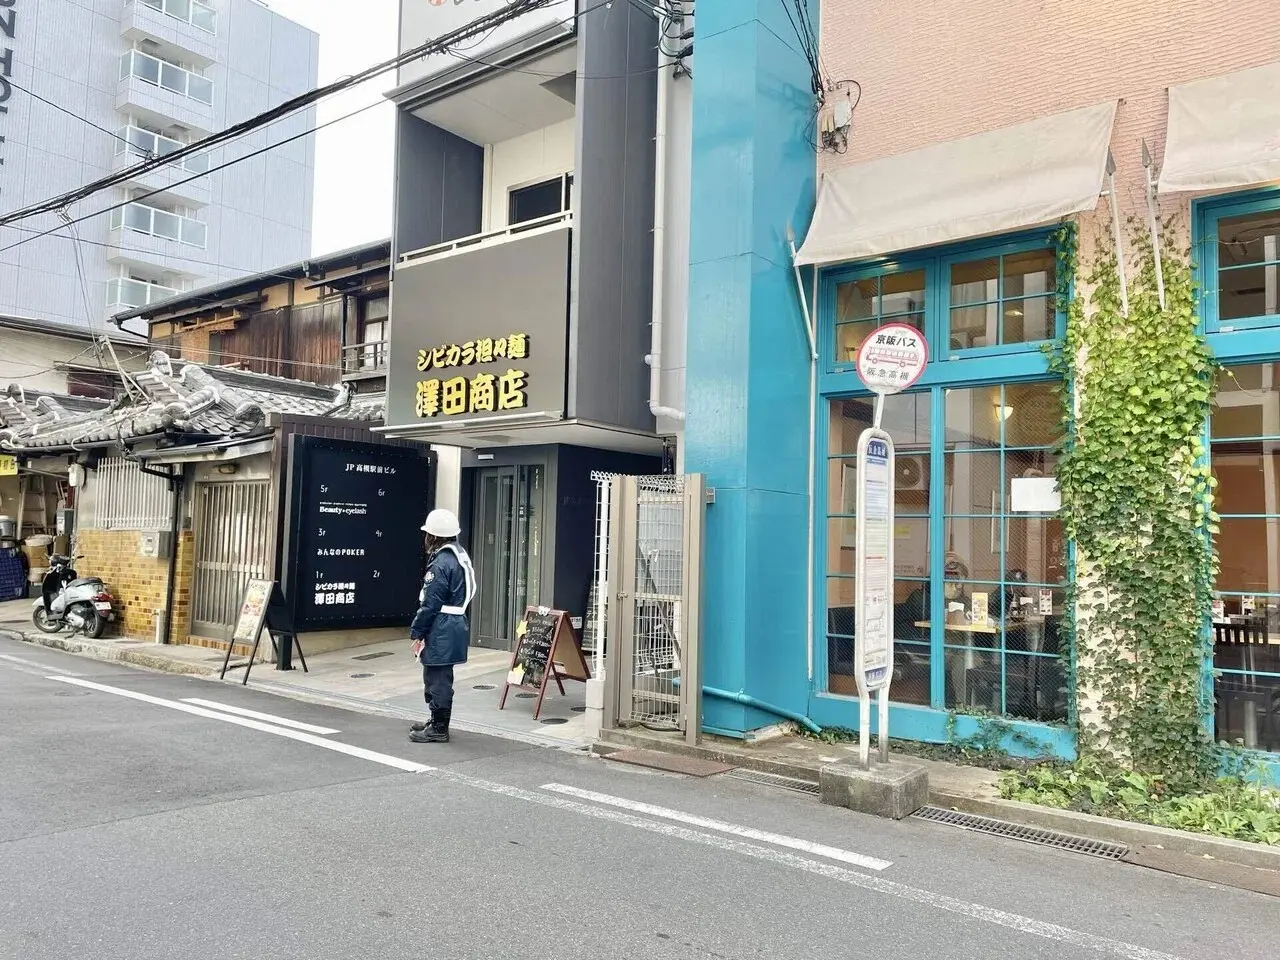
1022 176
1223 132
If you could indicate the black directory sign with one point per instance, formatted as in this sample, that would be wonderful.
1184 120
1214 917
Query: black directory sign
356 548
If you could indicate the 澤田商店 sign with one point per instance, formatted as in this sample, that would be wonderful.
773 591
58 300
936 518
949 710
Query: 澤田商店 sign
458 390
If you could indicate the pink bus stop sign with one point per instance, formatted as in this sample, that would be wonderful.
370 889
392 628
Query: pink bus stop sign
892 358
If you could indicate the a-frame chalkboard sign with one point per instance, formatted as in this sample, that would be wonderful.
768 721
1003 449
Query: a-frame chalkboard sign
546 649
261 606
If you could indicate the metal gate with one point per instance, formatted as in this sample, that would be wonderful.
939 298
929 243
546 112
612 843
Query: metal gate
655 531
232 547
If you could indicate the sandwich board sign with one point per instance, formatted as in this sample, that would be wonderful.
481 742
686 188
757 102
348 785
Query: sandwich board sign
890 360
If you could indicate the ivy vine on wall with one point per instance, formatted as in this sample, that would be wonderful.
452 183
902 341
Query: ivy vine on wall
1137 500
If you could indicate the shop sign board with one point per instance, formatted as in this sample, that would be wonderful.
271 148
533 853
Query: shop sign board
356 553
481 336
8 466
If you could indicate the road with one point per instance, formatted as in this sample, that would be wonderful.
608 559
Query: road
137 825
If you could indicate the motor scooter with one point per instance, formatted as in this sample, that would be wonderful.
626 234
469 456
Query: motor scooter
67 600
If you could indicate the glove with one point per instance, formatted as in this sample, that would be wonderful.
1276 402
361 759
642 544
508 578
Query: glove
417 647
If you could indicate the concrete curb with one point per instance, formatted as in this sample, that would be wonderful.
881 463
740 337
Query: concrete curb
782 768
1117 831
1048 818
113 652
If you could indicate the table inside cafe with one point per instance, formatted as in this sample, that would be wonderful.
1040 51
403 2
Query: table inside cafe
975 646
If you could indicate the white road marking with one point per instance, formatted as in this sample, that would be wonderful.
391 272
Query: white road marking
43 668
720 826
358 752
265 717
975 911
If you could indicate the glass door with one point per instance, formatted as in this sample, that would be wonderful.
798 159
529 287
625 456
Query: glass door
507 550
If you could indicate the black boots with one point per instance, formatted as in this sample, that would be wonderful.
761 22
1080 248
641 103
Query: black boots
437 731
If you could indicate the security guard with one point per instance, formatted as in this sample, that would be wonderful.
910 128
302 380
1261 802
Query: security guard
439 630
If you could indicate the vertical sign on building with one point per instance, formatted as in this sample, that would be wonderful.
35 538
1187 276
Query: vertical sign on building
9 28
889 361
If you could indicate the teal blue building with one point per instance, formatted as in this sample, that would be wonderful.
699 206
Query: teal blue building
982 567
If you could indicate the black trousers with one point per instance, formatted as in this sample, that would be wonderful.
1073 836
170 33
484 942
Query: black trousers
437 683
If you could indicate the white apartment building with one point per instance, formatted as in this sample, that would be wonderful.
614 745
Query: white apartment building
88 87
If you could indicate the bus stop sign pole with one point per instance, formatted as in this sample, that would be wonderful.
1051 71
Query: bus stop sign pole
890 360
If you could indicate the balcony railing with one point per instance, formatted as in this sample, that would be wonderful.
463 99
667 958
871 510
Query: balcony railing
159 223
511 232
144 143
188 11
368 357
164 74
127 292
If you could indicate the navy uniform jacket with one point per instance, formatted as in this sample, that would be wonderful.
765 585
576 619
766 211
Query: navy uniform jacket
441 618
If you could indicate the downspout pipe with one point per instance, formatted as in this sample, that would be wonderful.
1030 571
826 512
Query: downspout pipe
654 357
174 478
749 701
812 336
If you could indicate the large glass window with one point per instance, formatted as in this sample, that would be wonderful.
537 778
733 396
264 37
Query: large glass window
1238 248
997 299
1245 456
1249 267
1002 300
1005 569
906 418
870 302
980 555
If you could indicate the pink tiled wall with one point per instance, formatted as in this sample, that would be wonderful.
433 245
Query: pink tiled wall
934 70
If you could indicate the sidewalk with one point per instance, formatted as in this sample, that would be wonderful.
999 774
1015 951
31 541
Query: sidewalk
384 678
378 678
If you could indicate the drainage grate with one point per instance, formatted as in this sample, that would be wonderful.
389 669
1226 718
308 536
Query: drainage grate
375 656
527 696
485 686
775 780
1018 831
360 676
578 709
553 720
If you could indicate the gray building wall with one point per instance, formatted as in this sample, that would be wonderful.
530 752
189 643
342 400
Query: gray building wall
613 218
257 213
439 193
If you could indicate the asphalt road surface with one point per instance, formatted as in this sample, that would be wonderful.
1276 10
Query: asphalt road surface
138 825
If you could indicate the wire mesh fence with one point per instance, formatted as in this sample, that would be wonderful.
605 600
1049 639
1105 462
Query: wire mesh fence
595 627
657 595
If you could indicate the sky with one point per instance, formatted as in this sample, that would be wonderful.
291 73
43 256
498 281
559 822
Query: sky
353 156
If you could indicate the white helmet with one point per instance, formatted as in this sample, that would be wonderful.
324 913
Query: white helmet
442 524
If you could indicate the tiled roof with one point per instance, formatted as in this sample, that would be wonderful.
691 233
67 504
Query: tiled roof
20 406
179 398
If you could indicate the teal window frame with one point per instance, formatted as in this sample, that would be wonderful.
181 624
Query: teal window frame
1239 344
1009 364
936 265
1206 215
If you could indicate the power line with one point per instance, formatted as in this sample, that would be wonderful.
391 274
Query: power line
195 176
71 113
475 28
127 174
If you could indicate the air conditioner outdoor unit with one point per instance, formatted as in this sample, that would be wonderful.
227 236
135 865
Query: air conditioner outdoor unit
911 473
